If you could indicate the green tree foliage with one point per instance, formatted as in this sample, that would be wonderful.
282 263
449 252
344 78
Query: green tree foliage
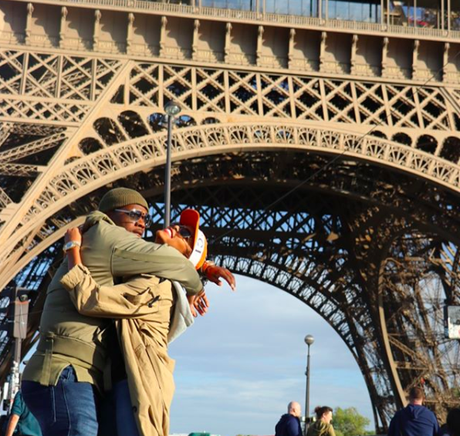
348 422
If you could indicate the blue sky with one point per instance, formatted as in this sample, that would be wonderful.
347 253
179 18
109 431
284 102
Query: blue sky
239 366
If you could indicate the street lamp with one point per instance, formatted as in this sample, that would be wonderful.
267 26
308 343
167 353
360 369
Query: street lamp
172 109
309 339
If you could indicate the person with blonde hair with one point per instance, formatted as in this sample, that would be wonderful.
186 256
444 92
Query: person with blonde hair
322 426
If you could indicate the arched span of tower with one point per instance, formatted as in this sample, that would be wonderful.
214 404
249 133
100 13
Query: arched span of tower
323 156
89 169
310 211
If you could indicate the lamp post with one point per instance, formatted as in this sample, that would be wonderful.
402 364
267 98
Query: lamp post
172 109
309 339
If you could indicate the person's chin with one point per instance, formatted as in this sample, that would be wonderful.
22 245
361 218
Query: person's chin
138 233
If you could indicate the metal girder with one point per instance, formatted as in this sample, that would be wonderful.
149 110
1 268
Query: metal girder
340 189
331 253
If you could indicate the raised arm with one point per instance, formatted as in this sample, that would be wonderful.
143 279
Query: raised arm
133 299
214 273
109 250
165 262
73 239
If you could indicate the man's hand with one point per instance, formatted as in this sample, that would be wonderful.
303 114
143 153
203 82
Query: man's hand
198 303
214 273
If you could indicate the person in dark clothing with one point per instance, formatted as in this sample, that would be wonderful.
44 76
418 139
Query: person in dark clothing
415 419
289 423
21 420
452 427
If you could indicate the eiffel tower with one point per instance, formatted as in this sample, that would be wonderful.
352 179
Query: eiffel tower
319 140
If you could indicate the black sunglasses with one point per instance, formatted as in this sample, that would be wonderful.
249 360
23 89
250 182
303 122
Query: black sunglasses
136 215
184 231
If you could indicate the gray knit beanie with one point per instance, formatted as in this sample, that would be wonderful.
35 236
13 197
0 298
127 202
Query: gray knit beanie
119 197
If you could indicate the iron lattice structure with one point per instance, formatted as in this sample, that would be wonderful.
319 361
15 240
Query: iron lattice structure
325 171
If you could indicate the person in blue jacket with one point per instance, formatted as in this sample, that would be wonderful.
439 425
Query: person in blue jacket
22 422
289 423
415 419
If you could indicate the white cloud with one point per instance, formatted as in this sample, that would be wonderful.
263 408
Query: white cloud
239 366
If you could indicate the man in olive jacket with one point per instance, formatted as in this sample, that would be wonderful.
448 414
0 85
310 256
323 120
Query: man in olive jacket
59 380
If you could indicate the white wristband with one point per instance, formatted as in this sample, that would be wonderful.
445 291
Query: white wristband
70 244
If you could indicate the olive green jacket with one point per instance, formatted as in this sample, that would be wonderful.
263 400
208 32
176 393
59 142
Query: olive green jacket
69 338
320 428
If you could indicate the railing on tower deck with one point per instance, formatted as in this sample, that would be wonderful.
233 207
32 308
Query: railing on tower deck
201 8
